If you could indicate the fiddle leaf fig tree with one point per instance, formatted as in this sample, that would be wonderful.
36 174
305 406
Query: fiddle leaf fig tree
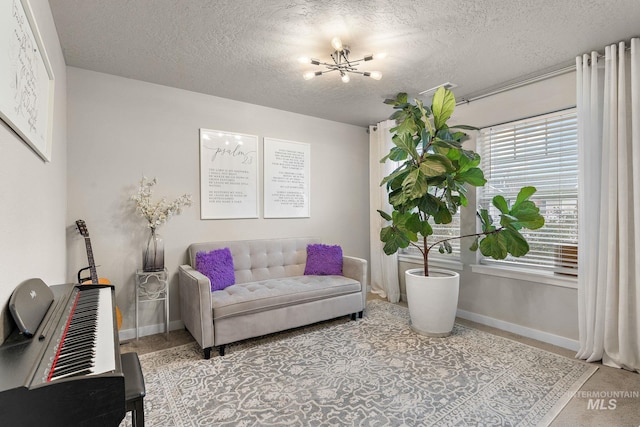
430 184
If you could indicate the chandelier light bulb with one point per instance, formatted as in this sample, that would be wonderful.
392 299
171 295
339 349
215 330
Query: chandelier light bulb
376 75
310 74
336 43
380 55
306 60
345 78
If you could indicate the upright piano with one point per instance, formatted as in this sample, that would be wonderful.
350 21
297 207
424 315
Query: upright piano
61 366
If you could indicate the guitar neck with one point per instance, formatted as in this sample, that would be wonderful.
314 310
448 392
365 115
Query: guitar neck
92 264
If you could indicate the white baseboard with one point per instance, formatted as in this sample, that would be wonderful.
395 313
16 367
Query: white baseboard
130 334
520 330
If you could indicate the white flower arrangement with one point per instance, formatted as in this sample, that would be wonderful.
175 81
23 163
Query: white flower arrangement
157 213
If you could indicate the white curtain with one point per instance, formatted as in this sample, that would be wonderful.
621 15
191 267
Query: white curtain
608 101
384 268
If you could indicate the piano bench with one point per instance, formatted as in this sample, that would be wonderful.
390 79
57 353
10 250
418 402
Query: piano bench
134 390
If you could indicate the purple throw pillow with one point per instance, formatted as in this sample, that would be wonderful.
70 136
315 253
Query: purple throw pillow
217 265
323 260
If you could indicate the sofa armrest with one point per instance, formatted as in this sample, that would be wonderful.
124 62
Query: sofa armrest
195 305
356 268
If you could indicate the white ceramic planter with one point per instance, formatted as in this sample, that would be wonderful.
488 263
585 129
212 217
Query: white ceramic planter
433 300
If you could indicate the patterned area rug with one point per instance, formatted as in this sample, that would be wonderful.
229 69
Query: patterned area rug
371 372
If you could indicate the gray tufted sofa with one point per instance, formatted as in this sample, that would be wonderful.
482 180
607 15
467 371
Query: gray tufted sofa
270 294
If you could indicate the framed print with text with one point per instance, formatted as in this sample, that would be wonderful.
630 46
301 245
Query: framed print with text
26 78
228 175
286 179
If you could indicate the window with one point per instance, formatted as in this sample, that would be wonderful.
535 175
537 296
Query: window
543 152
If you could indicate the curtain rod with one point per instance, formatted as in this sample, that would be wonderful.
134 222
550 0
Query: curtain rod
515 85
534 79
520 83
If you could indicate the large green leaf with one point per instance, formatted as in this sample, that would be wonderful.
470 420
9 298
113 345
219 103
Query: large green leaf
444 102
429 204
398 198
415 184
435 165
408 125
473 176
494 246
447 144
425 228
500 203
402 170
413 226
393 240
405 142
467 160
528 215
516 244
422 115
442 215
524 194
397 154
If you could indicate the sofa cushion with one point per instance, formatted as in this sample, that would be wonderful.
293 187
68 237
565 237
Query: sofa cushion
252 297
217 265
324 260
264 259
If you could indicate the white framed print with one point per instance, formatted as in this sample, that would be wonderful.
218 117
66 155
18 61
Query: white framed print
26 78
228 175
286 182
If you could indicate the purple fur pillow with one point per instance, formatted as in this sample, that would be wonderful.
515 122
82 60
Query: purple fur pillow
217 265
323 260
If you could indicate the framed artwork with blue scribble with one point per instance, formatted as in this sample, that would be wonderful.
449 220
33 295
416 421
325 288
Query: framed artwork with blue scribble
26 78
228 175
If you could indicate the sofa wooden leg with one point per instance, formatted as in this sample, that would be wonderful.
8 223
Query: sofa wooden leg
360 314
353 316
221 349
207 353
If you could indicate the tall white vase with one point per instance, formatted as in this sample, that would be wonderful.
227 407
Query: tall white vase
433 300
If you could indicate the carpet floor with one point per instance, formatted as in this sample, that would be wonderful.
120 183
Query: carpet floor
371 372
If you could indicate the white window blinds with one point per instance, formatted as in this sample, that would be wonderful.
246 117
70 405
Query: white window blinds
543 152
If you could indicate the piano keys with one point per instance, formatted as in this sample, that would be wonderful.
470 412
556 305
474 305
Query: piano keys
86 347
66 370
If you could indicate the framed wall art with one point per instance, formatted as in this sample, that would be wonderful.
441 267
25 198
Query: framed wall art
228 175
286 179
26 78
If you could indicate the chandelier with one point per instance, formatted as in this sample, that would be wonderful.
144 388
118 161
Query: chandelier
341 63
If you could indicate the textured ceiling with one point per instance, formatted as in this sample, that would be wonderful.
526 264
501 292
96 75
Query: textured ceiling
247 50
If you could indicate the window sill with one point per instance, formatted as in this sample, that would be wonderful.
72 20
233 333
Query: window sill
451 264
543 277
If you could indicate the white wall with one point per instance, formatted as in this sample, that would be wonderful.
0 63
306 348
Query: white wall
32 192
120 129
529 307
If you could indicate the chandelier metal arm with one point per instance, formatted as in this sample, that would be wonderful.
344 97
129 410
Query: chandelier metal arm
342 63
